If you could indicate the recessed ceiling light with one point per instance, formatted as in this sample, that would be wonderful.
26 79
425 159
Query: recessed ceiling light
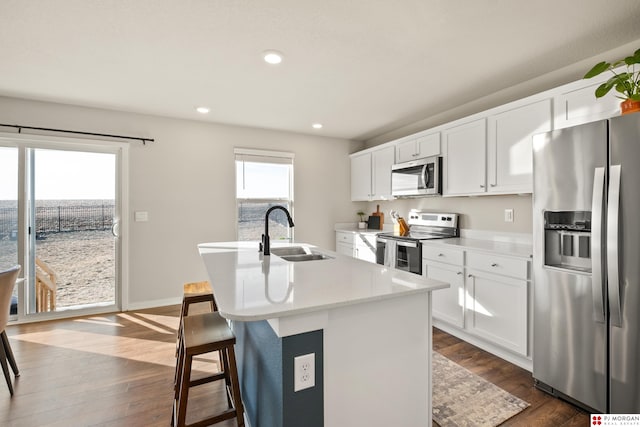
272 57
202 110
317 125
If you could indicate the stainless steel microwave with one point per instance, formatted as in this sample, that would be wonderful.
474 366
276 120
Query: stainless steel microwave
421 177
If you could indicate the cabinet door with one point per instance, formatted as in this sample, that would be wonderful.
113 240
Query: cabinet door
407 151
580 105
429 145
465 159
344 249
447 304
382 160
497 309
510 156
361 177
365 247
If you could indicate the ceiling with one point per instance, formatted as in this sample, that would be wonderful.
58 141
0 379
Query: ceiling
359 67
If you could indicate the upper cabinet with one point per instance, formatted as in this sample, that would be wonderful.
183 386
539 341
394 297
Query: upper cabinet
464 165
494 155
489 152
509 135
371 174
576 104
417 148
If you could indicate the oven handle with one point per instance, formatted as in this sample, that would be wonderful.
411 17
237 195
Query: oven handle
408 244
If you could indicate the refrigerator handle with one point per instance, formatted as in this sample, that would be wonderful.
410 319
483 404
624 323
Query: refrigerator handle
613 219
596 244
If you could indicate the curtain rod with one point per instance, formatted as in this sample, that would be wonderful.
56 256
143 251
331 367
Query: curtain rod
135 138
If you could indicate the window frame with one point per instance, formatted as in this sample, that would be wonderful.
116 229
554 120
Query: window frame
264 156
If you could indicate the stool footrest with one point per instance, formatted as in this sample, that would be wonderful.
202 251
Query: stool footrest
208 379
226 415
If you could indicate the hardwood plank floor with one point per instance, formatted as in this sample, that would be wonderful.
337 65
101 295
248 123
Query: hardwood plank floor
117 370
545 410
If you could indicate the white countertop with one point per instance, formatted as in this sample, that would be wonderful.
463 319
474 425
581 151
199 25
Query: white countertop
498 247
251 287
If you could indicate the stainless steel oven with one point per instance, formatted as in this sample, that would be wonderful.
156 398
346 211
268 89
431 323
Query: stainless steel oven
405 252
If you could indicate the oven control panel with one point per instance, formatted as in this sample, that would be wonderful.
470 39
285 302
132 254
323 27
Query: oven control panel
433 219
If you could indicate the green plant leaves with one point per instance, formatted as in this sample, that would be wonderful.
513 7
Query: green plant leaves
597 69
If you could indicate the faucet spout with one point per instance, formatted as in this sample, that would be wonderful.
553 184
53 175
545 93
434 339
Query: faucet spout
265 244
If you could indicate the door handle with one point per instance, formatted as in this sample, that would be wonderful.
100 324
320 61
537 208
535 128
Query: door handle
596 244
613 226
115 229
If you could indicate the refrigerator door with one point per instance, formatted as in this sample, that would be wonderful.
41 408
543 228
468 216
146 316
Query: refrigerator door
624 293
569 348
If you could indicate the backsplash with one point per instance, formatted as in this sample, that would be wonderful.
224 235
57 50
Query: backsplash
476 213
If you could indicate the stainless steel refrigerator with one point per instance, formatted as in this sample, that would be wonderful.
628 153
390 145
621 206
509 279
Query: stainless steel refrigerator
586 219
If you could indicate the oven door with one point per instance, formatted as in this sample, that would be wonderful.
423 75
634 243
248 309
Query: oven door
409 256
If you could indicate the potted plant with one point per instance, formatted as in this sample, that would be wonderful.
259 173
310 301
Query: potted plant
626 83
362 223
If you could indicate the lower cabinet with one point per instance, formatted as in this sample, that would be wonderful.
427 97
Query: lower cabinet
447 304
497 309
488 297
357 245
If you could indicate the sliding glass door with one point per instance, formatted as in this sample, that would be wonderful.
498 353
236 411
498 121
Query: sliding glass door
70 205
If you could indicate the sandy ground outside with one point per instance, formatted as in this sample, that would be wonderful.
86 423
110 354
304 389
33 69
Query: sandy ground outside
83 261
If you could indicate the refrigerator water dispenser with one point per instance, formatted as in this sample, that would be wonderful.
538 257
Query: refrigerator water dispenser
567 240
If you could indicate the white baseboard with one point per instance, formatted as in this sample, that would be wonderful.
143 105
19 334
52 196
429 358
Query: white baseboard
154 303
521 361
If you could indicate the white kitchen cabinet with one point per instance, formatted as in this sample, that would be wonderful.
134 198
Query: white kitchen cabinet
365 247
577 104
497 309
509 150
464 165
345 243
447 265
357 245
418 148
371 174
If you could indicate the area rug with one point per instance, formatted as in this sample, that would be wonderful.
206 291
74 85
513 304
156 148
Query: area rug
462 398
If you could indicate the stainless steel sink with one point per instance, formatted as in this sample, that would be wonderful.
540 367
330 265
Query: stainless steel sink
305 257
298 253
289 250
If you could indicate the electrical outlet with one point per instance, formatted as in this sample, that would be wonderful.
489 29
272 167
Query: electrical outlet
304 371
508 215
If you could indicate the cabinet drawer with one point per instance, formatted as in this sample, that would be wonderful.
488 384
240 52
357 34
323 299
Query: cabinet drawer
440 254
344 237
497 264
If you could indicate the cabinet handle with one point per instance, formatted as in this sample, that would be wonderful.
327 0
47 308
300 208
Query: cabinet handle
481 186
415 155
459 273
493 185
494 265
440 254
470 275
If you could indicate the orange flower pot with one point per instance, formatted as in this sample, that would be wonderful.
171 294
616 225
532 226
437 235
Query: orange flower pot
629 106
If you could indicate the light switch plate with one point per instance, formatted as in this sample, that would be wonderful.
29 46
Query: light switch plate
141 216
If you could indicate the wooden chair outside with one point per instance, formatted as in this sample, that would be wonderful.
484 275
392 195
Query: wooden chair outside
46 284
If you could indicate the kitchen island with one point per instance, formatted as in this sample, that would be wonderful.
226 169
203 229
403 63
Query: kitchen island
368 327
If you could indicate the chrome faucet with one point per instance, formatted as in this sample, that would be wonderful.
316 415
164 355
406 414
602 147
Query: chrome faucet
265 245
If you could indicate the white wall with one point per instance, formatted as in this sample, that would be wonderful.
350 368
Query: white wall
185 180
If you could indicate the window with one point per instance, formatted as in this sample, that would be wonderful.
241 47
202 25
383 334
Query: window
263 179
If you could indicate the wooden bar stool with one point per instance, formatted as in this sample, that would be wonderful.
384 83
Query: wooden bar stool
201 334
194 293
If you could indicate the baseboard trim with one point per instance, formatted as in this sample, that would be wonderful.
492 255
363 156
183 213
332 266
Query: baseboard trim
153 303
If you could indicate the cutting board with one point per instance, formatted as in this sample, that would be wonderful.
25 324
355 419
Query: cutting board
379 214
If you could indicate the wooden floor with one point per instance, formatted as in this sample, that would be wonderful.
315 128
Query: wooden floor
545 410
117 370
